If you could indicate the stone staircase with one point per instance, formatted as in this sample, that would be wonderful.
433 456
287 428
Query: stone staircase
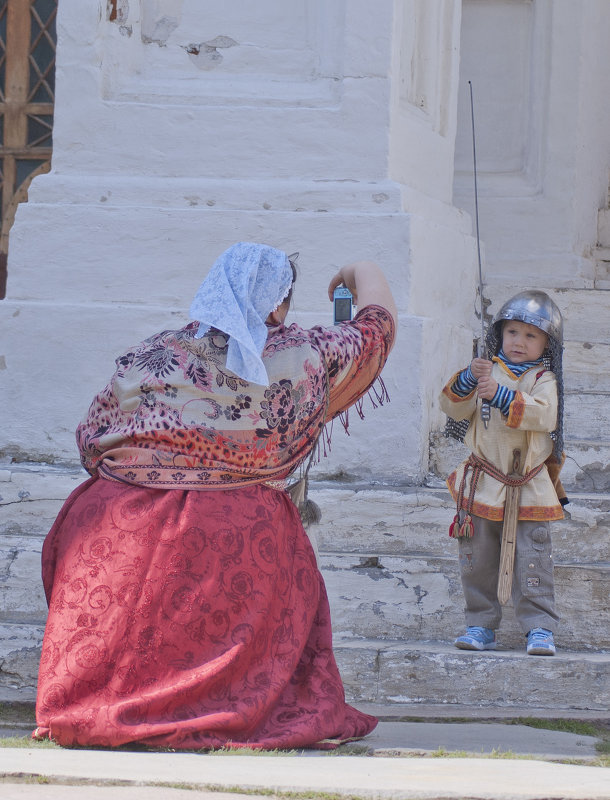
392 579
391 569
394 587
30 498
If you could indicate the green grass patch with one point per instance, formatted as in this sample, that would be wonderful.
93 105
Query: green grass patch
25 741
579 727
603 747
600 729
248 751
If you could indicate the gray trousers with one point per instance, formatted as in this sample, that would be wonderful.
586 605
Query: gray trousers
533 591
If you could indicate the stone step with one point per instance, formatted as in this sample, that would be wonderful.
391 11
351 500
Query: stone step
32 495
18 718
409 524
586 367
586 468
21 593
374 592
31 499
389 565
416 520
413 673
20 646
456 712
420 597
370 523
587 415
405 676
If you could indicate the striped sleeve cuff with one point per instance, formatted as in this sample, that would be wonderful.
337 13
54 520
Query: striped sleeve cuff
502 399
464 383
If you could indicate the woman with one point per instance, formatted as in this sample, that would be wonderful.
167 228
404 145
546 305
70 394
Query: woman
186 609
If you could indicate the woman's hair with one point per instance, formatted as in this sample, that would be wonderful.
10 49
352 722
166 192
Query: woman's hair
292 260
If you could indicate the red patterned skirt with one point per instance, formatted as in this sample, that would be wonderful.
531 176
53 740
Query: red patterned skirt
187 619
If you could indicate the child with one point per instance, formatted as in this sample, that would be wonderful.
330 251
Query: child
523 385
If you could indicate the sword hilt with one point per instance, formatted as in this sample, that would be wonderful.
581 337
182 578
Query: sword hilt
482 353
485 412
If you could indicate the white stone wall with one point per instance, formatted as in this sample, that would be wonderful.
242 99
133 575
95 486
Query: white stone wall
330 128
183 126
540 71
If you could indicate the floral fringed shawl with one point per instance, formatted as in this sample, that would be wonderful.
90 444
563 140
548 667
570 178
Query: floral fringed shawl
173 416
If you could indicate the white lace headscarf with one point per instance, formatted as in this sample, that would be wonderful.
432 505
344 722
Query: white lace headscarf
246 283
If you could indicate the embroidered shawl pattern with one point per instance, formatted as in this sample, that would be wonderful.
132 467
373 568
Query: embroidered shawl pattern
174 416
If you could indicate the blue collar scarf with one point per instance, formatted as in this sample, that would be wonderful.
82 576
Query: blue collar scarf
518 369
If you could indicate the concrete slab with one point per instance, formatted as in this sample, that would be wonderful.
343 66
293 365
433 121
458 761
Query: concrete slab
353 776
62 792
399 737
457 712
479 738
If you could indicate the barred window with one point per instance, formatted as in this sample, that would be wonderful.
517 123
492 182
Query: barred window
27 94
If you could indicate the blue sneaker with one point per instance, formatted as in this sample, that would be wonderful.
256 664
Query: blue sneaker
476 638
540 642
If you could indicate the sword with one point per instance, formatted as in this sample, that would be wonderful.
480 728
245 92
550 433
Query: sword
485 407
509 534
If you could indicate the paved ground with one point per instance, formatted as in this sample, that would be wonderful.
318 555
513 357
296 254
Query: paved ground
384 771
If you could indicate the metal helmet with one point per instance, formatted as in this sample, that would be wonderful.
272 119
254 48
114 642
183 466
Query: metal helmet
535 308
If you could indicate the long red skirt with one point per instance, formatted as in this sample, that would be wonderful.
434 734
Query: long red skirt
187 620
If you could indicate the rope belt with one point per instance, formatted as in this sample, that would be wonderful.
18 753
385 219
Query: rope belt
479 465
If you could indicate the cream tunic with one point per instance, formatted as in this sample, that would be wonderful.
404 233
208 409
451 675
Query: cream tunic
533 415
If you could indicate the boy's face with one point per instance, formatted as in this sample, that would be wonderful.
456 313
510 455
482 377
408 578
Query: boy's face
522 341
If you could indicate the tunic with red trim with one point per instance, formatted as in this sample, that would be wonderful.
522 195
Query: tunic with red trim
531 418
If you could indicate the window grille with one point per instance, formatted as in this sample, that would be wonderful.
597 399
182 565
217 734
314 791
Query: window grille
27 94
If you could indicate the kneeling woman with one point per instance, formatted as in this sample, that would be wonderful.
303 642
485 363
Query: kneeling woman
186 609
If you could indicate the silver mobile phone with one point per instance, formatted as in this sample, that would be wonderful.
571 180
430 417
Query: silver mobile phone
342 305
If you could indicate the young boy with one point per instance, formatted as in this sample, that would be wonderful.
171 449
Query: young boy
522 385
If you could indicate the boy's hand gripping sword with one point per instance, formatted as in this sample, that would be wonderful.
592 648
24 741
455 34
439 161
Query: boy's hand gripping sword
485 407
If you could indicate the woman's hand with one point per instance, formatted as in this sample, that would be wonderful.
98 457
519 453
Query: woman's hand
368 285
345 277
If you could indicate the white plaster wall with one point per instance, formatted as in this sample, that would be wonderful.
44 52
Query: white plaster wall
164 157
543 135
593 159
424 95
147 108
